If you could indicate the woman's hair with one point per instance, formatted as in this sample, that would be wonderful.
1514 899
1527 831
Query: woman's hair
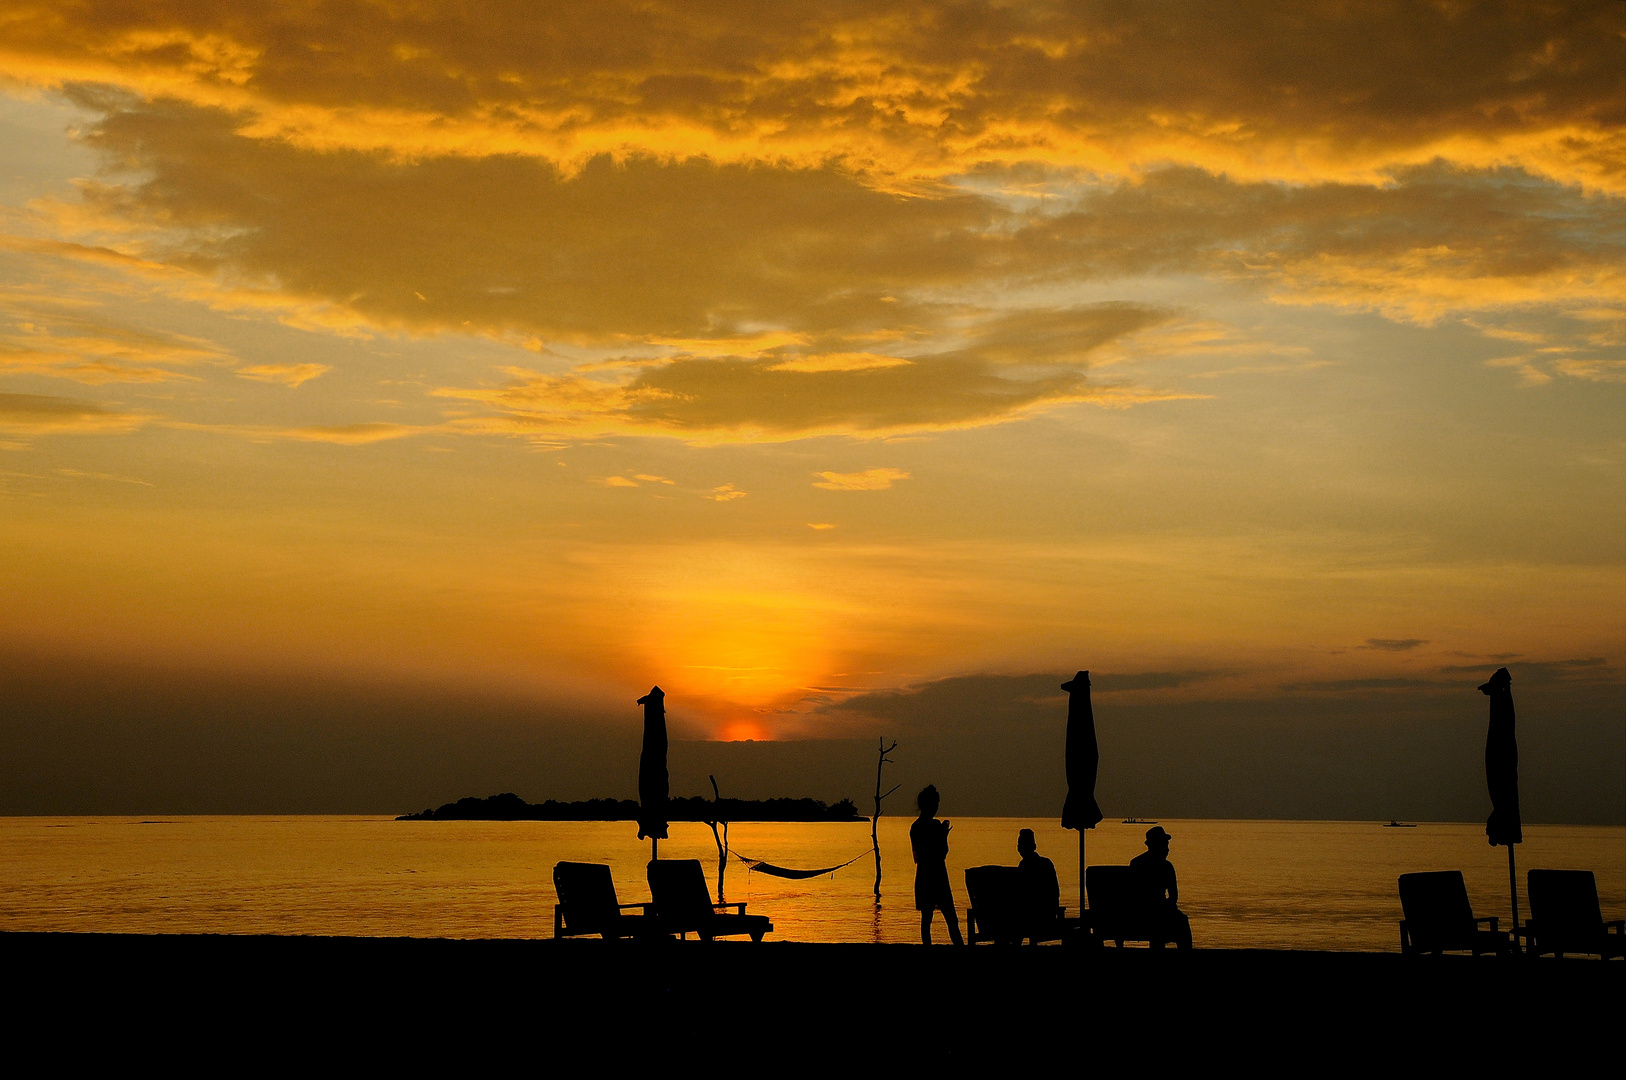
927 800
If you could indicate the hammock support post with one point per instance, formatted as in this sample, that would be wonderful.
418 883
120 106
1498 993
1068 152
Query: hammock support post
874 822
721 841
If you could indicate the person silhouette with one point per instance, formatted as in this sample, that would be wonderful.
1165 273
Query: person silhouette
1156 876
928 838
1040 893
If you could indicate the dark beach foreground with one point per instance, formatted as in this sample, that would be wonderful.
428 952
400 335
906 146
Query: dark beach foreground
806 1007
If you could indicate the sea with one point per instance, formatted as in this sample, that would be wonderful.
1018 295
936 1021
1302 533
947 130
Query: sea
1325 885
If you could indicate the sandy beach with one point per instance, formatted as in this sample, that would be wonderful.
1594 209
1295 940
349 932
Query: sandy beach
809 1007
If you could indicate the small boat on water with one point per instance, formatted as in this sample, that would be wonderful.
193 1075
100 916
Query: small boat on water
1400 825
1138 821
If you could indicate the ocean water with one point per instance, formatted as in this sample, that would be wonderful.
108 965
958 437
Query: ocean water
1244 884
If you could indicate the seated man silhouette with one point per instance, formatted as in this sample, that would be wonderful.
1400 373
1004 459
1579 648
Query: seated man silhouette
1039 893
1155 875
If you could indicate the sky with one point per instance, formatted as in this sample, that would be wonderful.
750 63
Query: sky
390 394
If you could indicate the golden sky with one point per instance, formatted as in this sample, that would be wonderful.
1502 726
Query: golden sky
788 354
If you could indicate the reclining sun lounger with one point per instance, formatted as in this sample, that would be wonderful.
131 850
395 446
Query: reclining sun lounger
1439 917
1565 917
682 904
1121 909
587 904
1001 914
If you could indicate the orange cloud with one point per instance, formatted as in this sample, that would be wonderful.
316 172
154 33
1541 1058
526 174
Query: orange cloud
899 90
41 414
289 375
349 434
868 480
46 333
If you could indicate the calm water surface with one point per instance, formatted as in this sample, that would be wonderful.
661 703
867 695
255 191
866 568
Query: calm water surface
1266 884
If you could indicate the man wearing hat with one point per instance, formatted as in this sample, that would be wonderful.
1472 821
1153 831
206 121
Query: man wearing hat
1037 888
1156 875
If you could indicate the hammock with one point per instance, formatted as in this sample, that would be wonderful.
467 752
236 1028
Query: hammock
785 872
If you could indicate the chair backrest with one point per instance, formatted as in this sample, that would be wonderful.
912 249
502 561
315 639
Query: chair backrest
1436 900
992 888
1114 891
586 894
1564 906
678 889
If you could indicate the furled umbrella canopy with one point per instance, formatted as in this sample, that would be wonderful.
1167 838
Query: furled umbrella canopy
652 790
1080 811
1502 763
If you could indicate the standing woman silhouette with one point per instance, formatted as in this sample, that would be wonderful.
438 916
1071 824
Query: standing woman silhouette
929 839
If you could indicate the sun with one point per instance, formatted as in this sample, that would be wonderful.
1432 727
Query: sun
742 731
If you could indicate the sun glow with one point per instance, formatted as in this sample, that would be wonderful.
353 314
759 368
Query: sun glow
742 731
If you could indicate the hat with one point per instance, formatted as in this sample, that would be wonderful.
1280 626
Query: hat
1156 833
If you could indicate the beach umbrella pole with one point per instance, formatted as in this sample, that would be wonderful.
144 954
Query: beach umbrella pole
1513 891
1081 875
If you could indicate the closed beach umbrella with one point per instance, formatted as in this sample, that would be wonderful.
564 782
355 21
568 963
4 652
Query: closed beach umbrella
652 768
1502 763
1502 777
1083 758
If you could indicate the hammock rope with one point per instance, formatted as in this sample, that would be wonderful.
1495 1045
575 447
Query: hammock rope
762 867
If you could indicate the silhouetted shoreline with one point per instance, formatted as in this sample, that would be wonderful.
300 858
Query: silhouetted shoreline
510 807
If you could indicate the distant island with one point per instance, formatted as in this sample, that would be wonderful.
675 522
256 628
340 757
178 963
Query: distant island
510 807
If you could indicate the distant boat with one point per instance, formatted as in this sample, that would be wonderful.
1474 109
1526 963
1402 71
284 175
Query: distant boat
1138 821
1400 825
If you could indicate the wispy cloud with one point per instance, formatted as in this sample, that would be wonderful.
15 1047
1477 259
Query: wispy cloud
42 414
867 480
1339 686
65 337
351 434
289 375
1393 644
1585 669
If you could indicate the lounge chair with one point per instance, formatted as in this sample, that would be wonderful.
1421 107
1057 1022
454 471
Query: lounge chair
1439 917
587 904
1121 909
998 912
1565 917
993 913
682 903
